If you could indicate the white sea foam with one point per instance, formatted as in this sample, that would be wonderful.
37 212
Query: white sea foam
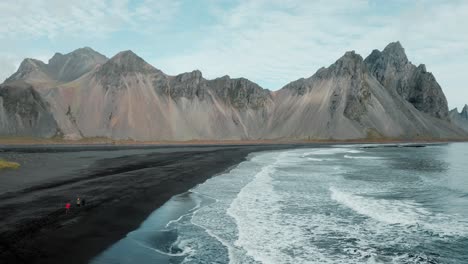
320 160
263 232
266 233
230 248
253 209
392 212
355 151
315 159
277 208
325 151
361 157
401 212
212 218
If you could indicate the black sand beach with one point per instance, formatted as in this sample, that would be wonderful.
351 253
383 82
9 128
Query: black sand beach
121 185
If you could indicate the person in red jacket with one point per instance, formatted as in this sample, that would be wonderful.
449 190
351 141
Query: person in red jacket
67 207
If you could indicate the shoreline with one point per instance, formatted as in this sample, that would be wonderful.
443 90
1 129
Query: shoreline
18 141
156 227
120 192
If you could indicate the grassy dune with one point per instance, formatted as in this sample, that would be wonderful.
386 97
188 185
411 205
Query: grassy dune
8 164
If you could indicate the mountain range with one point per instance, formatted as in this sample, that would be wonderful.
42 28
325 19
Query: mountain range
84 94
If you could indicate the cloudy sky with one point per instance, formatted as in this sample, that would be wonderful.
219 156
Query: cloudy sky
271 42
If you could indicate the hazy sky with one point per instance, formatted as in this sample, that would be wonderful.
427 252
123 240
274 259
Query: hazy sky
270 42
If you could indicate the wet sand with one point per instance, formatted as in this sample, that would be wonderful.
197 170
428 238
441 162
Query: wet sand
122 187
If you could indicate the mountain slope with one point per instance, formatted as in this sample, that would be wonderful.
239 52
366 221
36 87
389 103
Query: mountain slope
60 68
395 72
460 119
24 113
128 98
68 67
88 95
346 101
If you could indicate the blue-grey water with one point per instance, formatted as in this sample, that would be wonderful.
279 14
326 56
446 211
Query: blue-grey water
342 204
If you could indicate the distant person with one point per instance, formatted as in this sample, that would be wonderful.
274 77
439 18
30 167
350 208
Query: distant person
83 202
67 207
78 202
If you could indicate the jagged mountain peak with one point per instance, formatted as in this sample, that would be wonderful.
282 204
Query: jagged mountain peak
80 51
350 63
464 112
394 47
396 51
125 53
351 54
126 56
240 81
240 92
29 69
125 62
349 57
130 61
29 64
86 49
393 53
197 74
396 73
31 61
61 67
460 119
70 66
422 68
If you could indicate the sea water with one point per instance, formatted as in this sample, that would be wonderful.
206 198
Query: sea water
338 204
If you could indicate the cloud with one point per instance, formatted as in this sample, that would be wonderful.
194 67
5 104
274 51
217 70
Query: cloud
275 42
84 18
27 23
8 65
270 42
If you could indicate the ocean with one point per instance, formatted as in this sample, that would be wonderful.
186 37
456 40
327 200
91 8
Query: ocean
337 204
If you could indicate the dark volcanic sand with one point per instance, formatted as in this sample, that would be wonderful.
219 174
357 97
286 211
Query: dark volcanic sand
121 185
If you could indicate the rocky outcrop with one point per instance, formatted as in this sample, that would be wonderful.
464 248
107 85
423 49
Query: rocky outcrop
356 98
60 69
23 112
460 118
240 93
189 85
112 74
87 95
395 72
30 70
464 112
71 66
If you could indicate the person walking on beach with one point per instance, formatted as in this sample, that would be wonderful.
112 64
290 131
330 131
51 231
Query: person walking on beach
67 207
83 202
78 202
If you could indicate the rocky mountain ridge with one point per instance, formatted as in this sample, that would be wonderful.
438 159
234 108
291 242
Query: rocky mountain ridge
460 118
60 68
124 97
